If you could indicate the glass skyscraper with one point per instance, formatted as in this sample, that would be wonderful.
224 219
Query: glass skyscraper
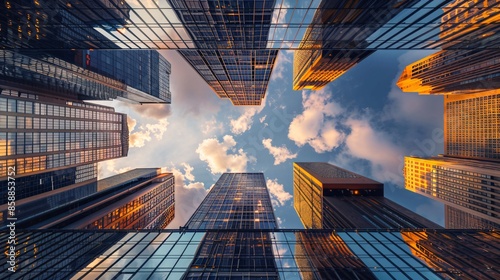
339 25
137 199
237 201
231 37
40 134
326 196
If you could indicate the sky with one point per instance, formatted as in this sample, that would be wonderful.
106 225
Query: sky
361 122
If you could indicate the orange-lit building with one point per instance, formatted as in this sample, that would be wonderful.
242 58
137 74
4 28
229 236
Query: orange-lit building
453 72
326 196
335 40
468 188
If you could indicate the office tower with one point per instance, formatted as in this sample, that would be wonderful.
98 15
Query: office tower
55 25
336 38
141 198
326 196
453 72
40 134
230 39
131 75
471 127
303 254
145 71
238 202
468 188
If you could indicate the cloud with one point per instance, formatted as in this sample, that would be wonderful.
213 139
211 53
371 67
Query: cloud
282 63
212 126
139 138
379 148
216 155
315 126
280 154
187 196
244 122
278 194
154 111
262 119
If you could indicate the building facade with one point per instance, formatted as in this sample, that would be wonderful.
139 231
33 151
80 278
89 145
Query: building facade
326 196
471 125
40 134
297 254
137 199
453 72
468 188
336 37
145 72
238 203
230 38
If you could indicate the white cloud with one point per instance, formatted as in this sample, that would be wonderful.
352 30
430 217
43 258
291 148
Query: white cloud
262 119
315 126
187 196
155 111
278 194
216 155
244 122
283 61
146 132
280 154
212 126
385 156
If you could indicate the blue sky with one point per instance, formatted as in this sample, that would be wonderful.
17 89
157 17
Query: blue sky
361 122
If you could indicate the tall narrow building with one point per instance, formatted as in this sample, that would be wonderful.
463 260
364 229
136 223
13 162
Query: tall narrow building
326 196
239 204
336 38
231 37
468 188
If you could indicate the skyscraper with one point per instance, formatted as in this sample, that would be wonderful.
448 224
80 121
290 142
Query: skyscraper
41 134
231 38
238 202
141 198
471 127
468 188
326 196
145 72
339 25
453 72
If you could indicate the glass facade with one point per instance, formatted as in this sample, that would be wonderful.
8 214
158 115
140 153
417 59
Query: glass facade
339 25
468 188
235 33
137 199
158 24
294 254
237 201
326 196
28 186
40 136
146 71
